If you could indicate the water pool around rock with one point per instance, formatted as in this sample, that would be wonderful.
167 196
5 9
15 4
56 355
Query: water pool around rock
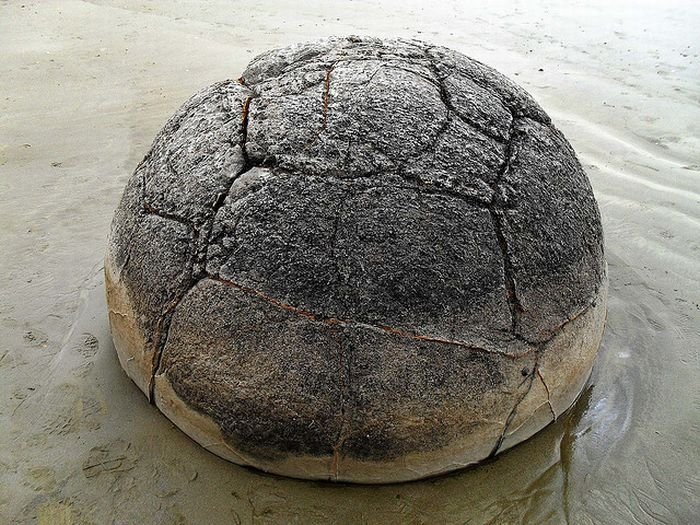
364 260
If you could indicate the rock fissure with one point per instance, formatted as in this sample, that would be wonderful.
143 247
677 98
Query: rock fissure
439 82
339 59
374 74
552 333
199 248
447 100
335 462
163 329
493 206
496 211
432 146
549 396
245 116
146 206
325 101
509 105
513 303
326 96
334 321
485 132
418 185
151 210
514 411
124 264
423 188
221 196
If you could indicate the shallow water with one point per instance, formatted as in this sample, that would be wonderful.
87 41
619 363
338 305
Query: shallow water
86 85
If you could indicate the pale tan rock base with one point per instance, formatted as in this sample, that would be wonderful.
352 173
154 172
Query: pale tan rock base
562 369
128 337
205 431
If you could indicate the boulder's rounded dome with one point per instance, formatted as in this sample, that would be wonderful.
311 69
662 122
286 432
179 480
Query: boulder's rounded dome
364 260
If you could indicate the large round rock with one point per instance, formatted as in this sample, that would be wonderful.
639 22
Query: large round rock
364 260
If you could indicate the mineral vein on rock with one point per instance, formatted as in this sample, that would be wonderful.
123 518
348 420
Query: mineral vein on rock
355 262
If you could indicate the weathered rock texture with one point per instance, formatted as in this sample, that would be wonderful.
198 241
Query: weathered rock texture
363 260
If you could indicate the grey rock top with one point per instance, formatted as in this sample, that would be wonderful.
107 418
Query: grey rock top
356 234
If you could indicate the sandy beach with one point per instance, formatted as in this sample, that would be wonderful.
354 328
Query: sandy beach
85 86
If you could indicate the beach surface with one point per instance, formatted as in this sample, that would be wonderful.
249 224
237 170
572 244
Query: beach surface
85 86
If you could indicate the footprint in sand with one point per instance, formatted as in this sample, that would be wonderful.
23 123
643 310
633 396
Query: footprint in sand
115 456
87 347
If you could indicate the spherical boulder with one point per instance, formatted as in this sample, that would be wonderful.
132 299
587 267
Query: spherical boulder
364 260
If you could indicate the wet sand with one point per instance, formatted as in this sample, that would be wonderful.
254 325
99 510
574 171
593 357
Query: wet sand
86 85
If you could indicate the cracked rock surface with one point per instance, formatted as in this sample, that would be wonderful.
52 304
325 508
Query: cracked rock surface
363 260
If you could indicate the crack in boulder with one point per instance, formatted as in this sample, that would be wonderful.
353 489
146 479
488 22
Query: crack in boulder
496 211
198 258
326 95
334 321
439 82
494 205
511 415
549 396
